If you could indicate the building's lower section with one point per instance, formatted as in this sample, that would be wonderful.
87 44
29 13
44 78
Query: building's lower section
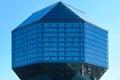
59 71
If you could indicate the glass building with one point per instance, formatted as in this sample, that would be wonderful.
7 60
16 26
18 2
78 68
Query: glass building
59 42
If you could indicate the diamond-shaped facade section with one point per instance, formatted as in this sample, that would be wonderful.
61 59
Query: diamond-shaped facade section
57 42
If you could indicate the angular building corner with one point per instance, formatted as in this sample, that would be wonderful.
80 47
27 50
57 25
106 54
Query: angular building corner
59 42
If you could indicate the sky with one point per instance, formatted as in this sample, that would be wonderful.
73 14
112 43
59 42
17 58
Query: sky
104 12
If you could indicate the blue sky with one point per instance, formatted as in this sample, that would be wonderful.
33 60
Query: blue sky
104 12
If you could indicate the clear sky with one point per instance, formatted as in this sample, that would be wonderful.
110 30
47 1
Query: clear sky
104 12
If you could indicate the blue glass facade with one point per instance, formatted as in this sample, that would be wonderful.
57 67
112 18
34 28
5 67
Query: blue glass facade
96 45
60 42
59 38
48 42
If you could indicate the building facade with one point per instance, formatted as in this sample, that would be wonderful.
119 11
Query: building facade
59 42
